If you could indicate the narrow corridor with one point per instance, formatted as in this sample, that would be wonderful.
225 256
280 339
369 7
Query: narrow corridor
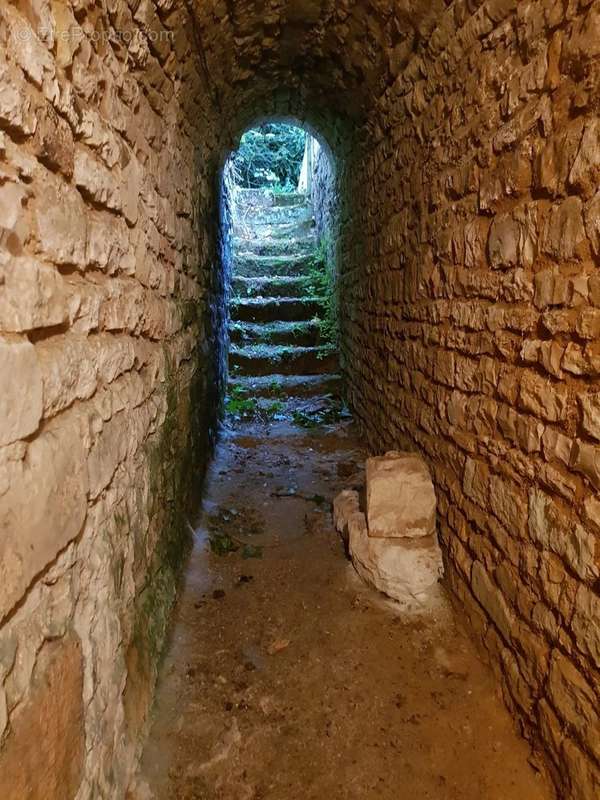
288 679
152 346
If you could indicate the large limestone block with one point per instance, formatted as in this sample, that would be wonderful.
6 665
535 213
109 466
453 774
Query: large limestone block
34 295
21 395
345 505
403 569
400 496
43 503
42 757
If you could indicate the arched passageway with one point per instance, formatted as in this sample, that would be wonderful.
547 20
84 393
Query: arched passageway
466 140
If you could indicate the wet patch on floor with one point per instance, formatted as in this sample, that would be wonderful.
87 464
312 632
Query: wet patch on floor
287 678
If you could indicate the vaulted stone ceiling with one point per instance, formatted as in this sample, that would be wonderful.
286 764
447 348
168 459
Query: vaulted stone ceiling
319 60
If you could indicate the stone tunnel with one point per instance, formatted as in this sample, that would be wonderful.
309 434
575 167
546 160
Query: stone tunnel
466 139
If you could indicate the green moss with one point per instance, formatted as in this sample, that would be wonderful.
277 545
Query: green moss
176 460
321 284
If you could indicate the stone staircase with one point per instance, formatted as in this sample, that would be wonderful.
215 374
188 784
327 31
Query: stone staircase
274 330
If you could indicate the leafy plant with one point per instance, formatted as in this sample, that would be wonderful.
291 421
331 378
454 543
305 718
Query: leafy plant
222 544
276 387
304 420
274 408
238 404
332 412
270 156
321 283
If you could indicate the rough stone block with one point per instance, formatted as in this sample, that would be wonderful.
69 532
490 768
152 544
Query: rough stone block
16 106
543 398
400 496
43 508
345 505
575 700
60 222
21 394
492 600
564 233
552 528
42 757
96 180
590 408
53 141
403 569
32 295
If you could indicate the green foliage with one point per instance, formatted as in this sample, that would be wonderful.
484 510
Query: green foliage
238 404
276 388
321 283
222 544
334 411
270 157
274 408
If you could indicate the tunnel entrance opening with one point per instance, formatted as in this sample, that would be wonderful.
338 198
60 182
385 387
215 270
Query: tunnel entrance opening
283 334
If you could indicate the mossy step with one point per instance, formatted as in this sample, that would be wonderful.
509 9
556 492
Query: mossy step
266 246
275 309
288 386
290 199
303 334
276 286
269 359
277 215
248 265
274 229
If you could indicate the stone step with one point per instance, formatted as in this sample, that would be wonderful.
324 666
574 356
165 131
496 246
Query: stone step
248 265
267 246
290 199
302 334
278 229
271 359
275 286
275 309
288 386
272 221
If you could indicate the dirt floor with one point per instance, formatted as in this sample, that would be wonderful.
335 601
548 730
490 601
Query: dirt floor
287 678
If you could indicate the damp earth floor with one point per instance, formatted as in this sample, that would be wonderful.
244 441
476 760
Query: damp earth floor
286 678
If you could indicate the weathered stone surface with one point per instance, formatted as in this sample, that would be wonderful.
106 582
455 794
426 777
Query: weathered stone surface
575 700
32 295
16 108
403 569
21 396
400 496
555 530
585 458
491 598
53 141
564 233
543 397
42 757
345 505
590 408
42 508
59 217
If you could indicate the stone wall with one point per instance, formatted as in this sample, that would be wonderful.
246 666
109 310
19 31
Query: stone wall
109 367
471 323
467 155
324 195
